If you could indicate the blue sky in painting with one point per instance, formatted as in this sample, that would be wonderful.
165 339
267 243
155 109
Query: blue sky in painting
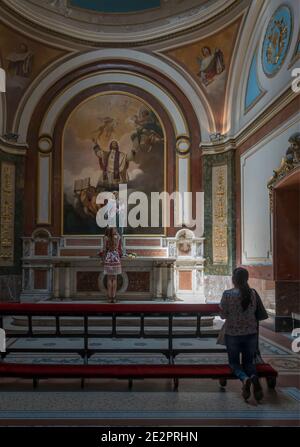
116 5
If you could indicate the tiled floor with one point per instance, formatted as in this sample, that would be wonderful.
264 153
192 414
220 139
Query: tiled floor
152 402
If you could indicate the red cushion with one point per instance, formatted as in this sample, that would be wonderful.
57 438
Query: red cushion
123 371
94 309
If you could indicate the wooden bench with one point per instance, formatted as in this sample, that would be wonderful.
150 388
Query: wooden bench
87 312
130 372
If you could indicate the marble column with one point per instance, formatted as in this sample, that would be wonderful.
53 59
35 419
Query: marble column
158 280
67 281
164 279
56 270
170 281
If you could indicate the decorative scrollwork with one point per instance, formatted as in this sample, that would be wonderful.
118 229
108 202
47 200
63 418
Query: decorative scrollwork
290 161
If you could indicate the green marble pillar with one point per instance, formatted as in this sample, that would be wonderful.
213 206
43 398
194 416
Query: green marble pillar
210 161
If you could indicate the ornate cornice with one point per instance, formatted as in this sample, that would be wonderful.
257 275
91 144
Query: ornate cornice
12 148
229 143
284 169
127 38
289 164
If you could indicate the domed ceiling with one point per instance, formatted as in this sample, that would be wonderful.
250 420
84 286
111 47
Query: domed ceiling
119 21
116 6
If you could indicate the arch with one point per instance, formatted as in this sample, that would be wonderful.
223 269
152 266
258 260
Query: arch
238 80
185 233
43 103
42 233
32 160
49 121
43 83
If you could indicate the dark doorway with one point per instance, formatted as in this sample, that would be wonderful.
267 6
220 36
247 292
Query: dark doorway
286 240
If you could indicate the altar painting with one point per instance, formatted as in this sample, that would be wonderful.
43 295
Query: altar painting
110 139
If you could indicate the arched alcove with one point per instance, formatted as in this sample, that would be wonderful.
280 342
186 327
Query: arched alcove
49 113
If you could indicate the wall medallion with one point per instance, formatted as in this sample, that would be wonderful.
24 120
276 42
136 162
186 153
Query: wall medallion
277 40
183 145
45 144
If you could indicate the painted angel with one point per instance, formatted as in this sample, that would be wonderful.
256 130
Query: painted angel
210 64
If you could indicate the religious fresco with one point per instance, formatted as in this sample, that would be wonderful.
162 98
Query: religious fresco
208 61
23 59
254 91
277 40
115 6
110 139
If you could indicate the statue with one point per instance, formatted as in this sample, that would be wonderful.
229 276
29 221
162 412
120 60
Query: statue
289 162
20 61
293 152
184 242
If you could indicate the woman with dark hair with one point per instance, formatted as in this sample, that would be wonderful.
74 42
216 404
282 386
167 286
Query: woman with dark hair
112 261
239 308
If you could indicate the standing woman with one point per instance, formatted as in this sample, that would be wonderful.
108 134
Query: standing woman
242 307
112 261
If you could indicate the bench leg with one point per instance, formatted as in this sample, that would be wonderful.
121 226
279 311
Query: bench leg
82 383
223 382
175 384
35 383
130 384
271 382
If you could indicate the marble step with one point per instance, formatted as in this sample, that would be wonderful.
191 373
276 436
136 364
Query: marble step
129 322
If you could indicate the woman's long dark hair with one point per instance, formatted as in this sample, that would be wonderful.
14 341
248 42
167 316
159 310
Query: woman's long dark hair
240 278
110 233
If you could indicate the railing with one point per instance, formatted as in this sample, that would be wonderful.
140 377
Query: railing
139 314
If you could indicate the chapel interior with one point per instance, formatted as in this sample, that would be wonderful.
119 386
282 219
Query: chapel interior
200 98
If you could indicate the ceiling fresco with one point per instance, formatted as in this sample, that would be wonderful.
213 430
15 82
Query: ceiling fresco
115 6
115 16
208 62
23 59
277 40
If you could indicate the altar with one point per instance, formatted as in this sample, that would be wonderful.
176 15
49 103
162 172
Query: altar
69 268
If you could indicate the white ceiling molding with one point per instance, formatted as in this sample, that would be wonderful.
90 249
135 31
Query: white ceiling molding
57 21
45 80
97 79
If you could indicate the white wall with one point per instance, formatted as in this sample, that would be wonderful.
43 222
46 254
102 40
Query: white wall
257 166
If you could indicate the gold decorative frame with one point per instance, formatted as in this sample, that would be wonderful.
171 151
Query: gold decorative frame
289 42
